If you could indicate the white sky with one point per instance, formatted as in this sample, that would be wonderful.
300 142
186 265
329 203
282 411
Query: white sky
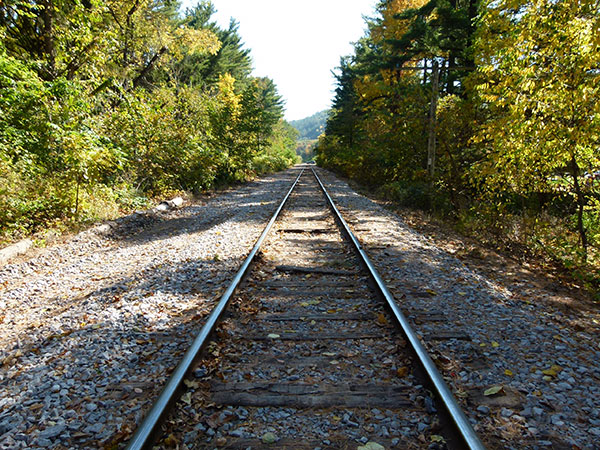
297 43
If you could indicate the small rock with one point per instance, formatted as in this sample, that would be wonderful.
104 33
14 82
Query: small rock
190 437
52 432
175 202
239 432
505 412
200 372
94 429
371 446
556 420
42 442
269 438
483 409
91 407
429 406
21 437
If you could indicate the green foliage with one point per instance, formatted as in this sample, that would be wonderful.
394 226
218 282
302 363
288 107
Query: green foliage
105 104
280 151
306 149
412 195
514 117
540 85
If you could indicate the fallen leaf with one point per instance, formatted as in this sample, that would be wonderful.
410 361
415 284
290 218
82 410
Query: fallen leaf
493 390
552 371
508 372
171 441
191 384
273 336
310 302
187 398
437 438
402 371
381 320
495 344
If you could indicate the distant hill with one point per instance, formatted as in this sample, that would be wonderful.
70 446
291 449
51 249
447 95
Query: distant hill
311 127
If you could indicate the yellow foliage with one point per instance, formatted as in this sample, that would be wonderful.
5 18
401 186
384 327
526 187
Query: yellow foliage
227 95
198 41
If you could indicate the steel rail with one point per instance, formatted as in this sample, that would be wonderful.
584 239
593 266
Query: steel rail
461 422
146 432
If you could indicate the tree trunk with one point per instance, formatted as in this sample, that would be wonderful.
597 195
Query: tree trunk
432 121
146 70
580 196
48 38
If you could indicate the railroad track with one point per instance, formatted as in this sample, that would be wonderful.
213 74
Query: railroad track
306 349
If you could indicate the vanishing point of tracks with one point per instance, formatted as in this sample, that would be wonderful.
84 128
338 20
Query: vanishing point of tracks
306 349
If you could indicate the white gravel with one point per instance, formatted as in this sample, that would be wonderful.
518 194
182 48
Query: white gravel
91 329
517 331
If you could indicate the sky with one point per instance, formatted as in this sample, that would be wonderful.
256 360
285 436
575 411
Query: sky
297 43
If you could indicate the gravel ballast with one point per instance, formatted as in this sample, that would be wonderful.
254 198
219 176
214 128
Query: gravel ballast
502 328
92 328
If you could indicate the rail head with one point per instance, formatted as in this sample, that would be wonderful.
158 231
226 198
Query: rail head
458 417
147 431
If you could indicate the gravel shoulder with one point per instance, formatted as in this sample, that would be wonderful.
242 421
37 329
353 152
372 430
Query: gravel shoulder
505 327
91 329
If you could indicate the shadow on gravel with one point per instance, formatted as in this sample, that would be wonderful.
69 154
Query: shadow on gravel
246 204
87 384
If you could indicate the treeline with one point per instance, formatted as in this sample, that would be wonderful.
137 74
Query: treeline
311 127
487 111
104 103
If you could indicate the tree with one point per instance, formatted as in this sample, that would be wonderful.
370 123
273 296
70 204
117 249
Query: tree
231 58
538 82
64 37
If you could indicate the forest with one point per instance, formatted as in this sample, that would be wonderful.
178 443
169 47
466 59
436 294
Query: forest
309 129
106 104
482 112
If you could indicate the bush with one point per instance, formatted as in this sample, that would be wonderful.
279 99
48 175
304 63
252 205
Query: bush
417 195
